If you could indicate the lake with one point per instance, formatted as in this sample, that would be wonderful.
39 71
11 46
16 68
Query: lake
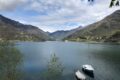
105 58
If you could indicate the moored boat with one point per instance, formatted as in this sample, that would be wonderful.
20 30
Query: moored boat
89 70
79 75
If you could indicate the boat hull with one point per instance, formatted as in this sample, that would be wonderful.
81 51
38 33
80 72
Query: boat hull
88 72
79 75
79 78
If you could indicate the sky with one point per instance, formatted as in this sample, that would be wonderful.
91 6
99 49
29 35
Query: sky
53 15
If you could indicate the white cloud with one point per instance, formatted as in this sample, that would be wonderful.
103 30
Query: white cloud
53 28
61 11
54 14
10 4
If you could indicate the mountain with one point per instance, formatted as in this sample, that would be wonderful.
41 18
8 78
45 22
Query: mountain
59 35
106 30
115 37
13 30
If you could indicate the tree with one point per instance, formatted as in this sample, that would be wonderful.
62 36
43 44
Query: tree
10 57
90 0
112 3
54 69
117 3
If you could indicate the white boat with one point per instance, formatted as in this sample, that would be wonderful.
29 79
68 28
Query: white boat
88 69
79 75
66 40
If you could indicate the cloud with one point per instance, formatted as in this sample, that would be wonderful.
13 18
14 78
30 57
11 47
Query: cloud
55 27
54 15
7 5
59 12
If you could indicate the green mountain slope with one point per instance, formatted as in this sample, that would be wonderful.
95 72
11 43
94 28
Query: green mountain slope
115 37
13 30
100 31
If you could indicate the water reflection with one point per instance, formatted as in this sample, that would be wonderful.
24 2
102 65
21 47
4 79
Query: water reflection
54 69
104 58
10 58
109 55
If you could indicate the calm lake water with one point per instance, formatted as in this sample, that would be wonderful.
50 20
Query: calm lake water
105 58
